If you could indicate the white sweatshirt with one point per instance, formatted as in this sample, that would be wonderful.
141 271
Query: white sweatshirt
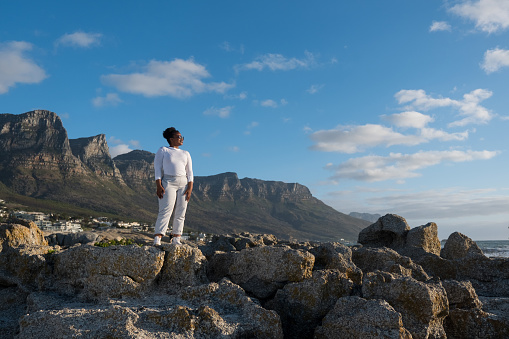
173 161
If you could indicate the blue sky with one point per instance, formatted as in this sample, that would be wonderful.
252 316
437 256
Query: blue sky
376 106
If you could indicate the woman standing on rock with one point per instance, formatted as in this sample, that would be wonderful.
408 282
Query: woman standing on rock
174 181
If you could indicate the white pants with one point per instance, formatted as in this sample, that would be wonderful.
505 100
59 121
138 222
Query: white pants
174 196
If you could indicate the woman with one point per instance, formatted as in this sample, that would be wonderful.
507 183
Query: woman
174 181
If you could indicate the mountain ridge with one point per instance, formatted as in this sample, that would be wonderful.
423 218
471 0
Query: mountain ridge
81 172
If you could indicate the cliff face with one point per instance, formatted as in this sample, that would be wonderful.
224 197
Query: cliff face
35 147
38 160
95 154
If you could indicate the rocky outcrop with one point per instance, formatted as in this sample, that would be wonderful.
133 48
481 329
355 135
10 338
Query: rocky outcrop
355 317
251 286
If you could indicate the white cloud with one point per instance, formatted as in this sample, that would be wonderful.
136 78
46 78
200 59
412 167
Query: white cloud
80 39
409 119
272 103
269 103
468 107
119 149
439 26
494 59
223 112
16 67
489 15
352 139
178 78
446 203
277 62
234 149
399 166
111 99
120 146
314 89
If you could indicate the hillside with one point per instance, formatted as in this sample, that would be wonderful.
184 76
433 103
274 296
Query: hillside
40 166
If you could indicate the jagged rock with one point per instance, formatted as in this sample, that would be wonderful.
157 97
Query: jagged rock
354 317
208 311
237 242
475 324
183 266
225 297
423 306
13 235
107 272
385 259
70 239
389 231
302 305
262 270
424 238
336 256
459 246
25 263
12 307
461 294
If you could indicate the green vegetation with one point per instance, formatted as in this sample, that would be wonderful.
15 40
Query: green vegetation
122 242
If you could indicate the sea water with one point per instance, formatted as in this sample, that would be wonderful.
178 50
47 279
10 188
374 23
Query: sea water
494 248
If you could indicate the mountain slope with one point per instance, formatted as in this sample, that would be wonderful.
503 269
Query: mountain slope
39 161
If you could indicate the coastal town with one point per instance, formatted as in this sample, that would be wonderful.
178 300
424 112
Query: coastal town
61 223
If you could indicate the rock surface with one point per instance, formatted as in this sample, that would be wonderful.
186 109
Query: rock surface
252 286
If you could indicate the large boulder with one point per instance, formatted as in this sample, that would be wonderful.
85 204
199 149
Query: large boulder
183 266
207 311
354 317
302 305
423 306
385 259
263 270
105 272
459 246
423 239
389 231
14 235
336 256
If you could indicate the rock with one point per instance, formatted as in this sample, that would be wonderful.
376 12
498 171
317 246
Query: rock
183 266
475 324
25 264
12 307
459 246
336 256
99 272
237 242
301 305
354 317
82 238
423 306
207 311
461 294
389 231
233 305
262 270
385 259
13 235
424 237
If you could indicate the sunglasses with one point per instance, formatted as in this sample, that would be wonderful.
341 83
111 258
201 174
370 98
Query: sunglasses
179 137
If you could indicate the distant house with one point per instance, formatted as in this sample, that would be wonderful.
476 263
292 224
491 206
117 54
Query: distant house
63 226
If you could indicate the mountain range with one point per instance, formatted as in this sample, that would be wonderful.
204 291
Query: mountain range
41 167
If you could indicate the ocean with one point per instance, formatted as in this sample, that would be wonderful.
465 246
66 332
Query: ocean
494 248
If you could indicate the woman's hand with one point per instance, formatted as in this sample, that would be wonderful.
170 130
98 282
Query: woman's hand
189 190
160 189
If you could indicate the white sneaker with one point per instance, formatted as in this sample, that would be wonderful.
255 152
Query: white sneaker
176 241
157 241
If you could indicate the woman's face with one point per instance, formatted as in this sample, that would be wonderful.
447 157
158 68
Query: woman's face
177 140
